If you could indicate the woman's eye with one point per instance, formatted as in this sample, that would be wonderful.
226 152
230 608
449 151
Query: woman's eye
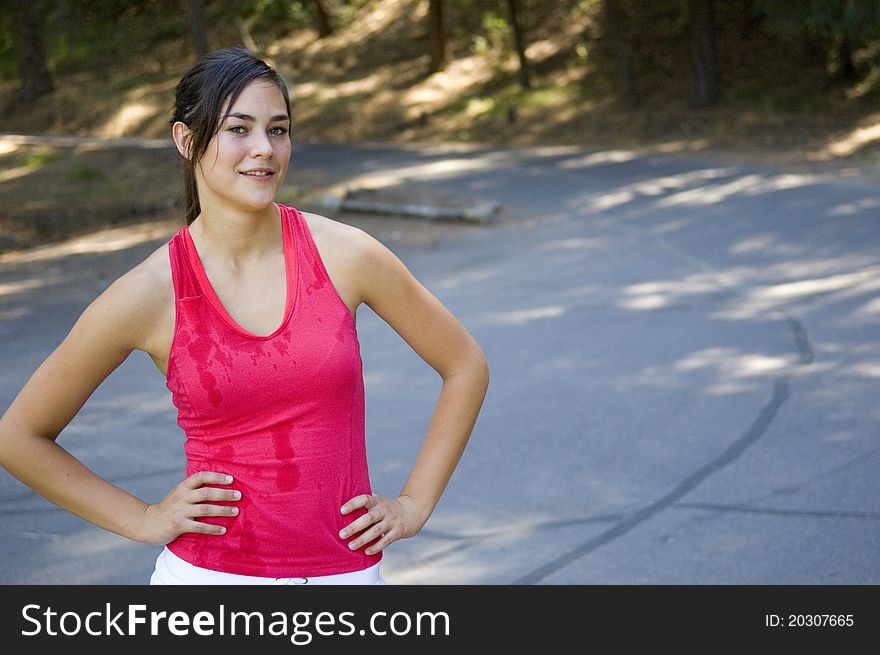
237 129
278 131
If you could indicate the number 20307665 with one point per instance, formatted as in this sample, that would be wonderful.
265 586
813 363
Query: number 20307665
808 620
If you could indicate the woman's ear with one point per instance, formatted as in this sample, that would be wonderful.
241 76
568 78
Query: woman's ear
182 138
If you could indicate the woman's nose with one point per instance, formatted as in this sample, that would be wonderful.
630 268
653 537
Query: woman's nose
261 146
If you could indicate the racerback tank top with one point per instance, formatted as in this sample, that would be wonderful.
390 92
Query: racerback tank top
282 413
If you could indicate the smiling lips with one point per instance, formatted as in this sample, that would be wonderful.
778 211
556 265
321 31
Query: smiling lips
259 173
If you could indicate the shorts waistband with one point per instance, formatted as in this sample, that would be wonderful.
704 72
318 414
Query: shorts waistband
171 569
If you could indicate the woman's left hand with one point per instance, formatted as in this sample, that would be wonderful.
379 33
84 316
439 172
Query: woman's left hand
387 519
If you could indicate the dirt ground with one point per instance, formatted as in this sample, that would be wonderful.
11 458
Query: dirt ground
393 231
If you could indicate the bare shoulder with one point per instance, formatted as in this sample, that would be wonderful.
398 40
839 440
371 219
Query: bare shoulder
378 276
342 239
352 257
141 299
149 282
336 237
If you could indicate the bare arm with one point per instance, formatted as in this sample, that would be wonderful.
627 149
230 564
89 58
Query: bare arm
434 333
102 338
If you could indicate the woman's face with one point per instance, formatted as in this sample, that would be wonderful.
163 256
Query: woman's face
247 159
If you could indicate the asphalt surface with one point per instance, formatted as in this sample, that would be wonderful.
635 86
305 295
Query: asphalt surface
685 371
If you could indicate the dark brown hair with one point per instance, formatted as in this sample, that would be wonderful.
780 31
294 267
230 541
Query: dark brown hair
215 80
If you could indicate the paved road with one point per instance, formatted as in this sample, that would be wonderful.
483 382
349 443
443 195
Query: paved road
685 372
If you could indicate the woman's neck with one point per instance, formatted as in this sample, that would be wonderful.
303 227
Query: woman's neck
236 236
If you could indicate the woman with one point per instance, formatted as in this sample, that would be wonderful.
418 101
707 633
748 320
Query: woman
249 311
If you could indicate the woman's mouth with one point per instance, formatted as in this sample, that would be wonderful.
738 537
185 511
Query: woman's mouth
259 173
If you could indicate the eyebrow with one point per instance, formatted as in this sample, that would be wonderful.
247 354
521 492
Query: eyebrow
247 117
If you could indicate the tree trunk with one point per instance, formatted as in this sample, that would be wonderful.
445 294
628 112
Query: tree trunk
325 23
616 25
704 67
197 23
520 42
438 35
815 53
35 78
846 67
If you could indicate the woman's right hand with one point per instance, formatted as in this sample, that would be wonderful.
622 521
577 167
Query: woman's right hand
177 512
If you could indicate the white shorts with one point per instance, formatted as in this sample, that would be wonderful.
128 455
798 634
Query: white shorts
171 570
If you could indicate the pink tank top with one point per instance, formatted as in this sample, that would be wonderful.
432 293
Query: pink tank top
283 414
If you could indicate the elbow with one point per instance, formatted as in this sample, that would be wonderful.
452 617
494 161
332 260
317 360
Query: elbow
466 363
5 445
483 369
12 443
474 367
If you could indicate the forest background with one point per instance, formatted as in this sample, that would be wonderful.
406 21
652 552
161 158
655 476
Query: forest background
793 80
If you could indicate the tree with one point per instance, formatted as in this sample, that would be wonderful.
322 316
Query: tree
438 30
519 42
704 90
846 67
616 32
827 31
35 78
197 23
325 23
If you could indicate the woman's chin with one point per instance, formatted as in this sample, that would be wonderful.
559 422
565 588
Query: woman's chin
256 203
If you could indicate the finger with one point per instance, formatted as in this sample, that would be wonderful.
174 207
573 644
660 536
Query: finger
203 494
364 500
385 540
196 480
203 528
373 515
370 535
358 525
202 509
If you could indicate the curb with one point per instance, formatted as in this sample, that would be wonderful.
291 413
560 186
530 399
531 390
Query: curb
478 213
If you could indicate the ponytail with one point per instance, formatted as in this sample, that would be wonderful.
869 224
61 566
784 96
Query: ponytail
191 206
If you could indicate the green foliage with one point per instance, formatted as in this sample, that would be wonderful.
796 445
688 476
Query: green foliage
82 36
832 19
493 33
755 69
346 8
838 37
274 17
789 98
8 56
495 26
481 45
82 172
39 159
